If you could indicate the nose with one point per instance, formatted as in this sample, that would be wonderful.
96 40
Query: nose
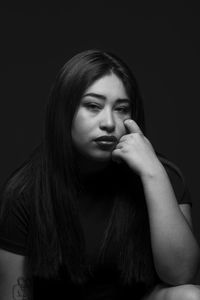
107 121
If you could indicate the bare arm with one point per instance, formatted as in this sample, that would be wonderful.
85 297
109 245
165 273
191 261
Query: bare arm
175 249
15 280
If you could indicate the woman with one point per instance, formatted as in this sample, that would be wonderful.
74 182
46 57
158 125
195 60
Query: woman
95 212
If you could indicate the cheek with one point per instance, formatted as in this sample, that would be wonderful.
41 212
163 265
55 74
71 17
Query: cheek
80 127
120 125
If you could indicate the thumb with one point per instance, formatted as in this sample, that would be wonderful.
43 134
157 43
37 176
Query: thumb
132 126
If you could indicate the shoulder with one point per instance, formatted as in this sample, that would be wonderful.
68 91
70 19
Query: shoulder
13 201
15 223
17 189
177 180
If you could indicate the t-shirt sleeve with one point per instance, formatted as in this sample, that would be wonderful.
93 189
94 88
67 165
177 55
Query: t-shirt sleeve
178 183
14 226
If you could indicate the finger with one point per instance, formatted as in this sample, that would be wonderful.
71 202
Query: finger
123 138
116 156
119 145
132 126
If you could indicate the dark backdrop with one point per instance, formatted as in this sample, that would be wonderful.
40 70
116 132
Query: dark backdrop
160 43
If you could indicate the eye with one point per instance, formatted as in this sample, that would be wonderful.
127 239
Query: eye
123 109
92 106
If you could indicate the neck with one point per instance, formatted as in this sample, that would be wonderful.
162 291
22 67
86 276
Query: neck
96 190
93 175
88 168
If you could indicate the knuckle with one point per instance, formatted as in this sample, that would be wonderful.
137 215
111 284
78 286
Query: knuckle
124 137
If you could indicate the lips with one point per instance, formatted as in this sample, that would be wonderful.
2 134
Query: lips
106 138
106 142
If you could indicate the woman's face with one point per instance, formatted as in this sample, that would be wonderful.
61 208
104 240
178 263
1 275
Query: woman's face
98 121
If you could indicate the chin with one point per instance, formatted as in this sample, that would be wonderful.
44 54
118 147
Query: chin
103 157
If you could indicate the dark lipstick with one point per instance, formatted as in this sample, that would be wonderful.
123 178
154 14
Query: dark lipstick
106 138
106 142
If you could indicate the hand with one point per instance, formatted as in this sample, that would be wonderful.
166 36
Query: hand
136 150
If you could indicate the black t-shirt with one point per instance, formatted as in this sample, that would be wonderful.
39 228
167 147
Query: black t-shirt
104 284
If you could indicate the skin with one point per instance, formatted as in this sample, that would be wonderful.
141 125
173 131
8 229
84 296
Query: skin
96 117
136 150
175 250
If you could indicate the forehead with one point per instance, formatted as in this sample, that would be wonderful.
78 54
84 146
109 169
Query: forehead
109 86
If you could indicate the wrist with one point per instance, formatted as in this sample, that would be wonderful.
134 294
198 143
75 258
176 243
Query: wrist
153 173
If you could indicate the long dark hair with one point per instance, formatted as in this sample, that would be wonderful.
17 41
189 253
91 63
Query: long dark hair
49 179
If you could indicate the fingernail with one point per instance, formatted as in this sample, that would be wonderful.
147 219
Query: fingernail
128 121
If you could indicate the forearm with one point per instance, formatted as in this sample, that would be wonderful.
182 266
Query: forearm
175 250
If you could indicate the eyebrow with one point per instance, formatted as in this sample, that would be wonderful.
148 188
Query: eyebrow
102 97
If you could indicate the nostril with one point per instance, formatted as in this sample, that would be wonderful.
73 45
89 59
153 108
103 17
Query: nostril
107 126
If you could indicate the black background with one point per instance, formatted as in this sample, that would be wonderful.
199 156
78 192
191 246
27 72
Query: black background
160 42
